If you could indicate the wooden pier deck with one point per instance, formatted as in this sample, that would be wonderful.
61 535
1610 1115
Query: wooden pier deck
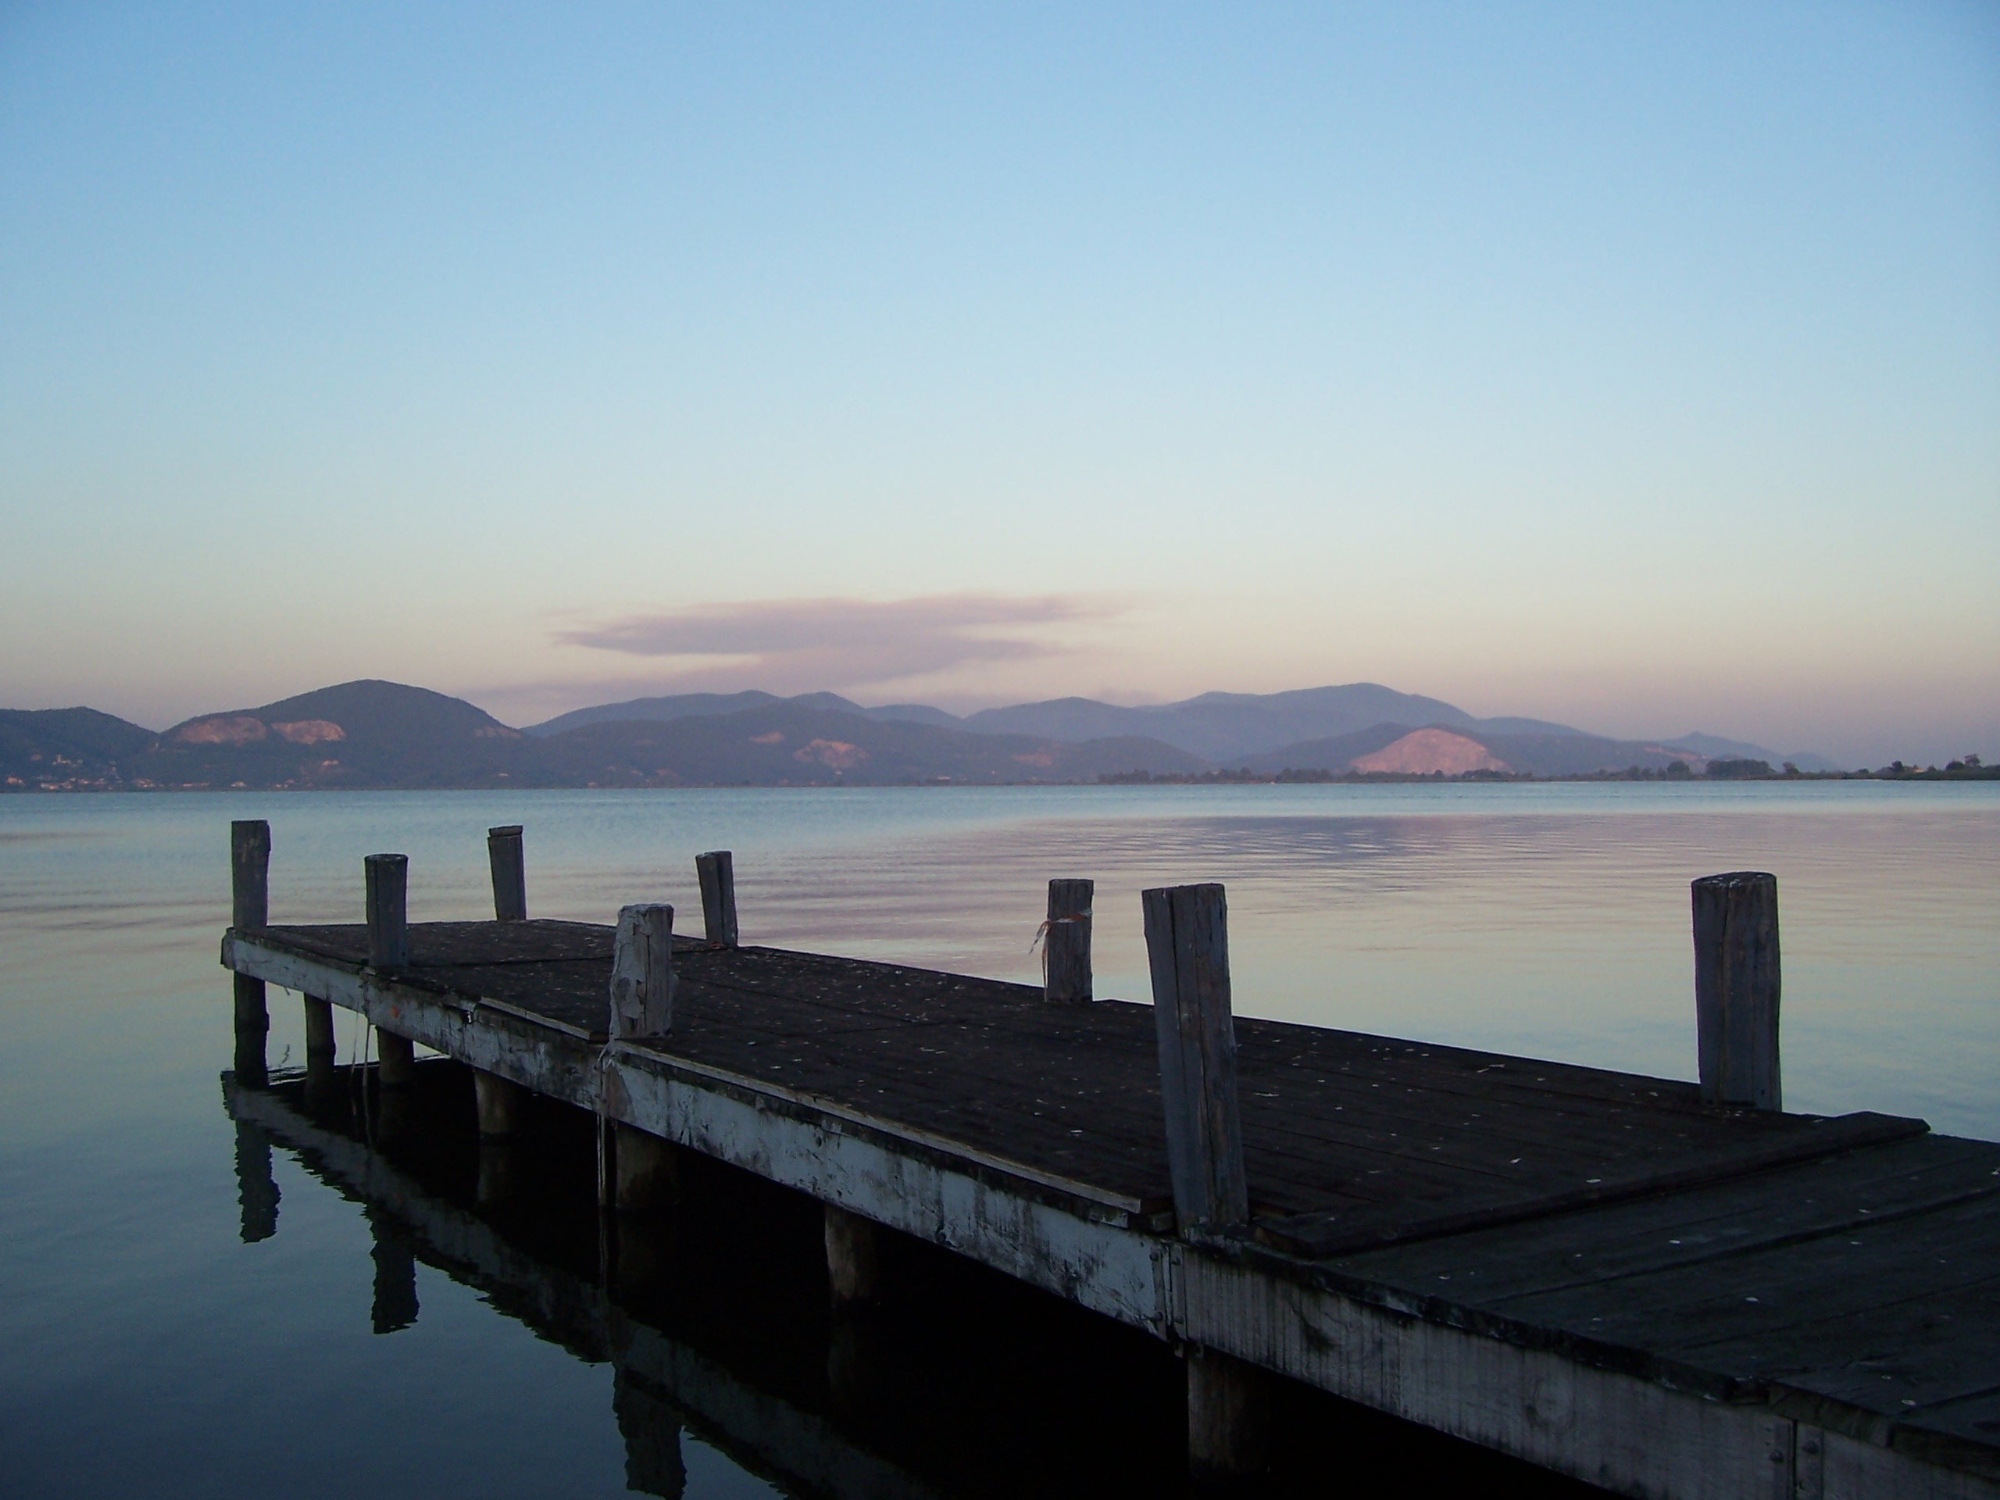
1593 1271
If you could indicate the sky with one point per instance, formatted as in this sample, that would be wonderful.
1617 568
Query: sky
1632 366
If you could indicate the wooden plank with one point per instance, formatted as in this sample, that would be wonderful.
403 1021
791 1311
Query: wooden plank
1594 1246
1187 948
1321 1235
1736 986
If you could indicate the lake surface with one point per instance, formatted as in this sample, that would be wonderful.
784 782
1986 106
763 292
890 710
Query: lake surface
152 1349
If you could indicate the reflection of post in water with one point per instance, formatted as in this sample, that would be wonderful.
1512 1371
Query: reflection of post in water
395 1304
256 1189
652 1432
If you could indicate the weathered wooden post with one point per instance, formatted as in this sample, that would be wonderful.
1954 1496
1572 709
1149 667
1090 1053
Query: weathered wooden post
646 1172
388 882
249 909
717 870
1066 941
853 1258
499 1102
319 1031
1736 984
1187 950
250 874
642 1175
510 873
388 878
320 1090
642 971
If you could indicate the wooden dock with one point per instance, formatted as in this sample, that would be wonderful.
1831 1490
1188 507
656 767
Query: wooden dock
1616 1277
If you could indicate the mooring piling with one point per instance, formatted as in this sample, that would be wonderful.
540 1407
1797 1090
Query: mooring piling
1187 949
250 874
388 887
717 872
510 873
1066 941
642 971
1736 987
249 910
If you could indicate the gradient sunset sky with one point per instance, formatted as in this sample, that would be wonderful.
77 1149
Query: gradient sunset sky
1633 366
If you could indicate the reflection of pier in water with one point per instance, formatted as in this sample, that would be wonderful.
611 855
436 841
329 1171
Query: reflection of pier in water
661 1383
716 1321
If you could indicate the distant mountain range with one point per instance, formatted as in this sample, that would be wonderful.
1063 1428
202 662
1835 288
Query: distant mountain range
383 734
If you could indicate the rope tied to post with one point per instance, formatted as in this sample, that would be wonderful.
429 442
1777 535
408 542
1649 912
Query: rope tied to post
1042 934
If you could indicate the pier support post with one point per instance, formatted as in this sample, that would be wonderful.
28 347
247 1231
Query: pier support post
1066 941
499 1100
510 873
853 1258
399 1059
1187 948
250 908
646 1172
319 1031
1228 1417
717 872
388 878
642 972
1736 985
320 1052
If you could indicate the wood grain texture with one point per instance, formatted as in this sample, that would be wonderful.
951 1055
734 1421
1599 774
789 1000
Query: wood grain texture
1066 942
508 859
716 871
1187 948
642 972
1736 987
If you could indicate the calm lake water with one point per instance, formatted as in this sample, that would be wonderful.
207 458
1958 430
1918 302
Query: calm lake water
152 1348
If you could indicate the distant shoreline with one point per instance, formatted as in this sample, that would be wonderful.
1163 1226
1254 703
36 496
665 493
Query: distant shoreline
1637 776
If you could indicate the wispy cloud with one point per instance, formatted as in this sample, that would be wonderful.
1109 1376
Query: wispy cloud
841 644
